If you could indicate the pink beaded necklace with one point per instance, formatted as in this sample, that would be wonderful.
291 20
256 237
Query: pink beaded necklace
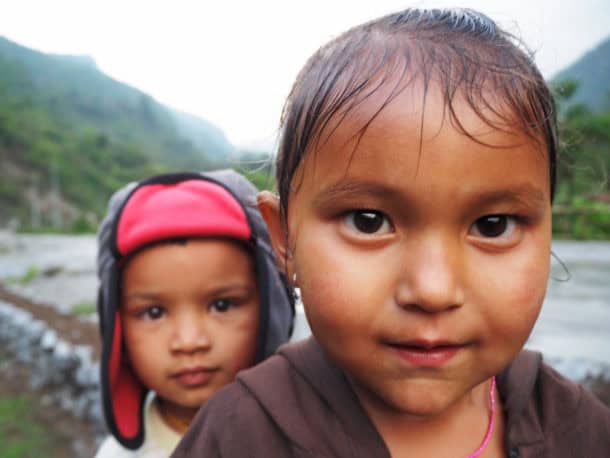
490 426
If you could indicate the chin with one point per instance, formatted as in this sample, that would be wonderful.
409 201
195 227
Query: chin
413 398
419 405
422 407
196 402
189 400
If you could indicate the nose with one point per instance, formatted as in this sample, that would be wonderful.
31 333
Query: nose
431 274
190 333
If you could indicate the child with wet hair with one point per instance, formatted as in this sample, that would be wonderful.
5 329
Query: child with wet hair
189 295
416 172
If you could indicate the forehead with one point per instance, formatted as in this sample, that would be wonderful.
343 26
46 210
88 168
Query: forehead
404 131
200 257
410 113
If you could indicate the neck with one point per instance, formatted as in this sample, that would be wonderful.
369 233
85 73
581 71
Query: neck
175 416
462 425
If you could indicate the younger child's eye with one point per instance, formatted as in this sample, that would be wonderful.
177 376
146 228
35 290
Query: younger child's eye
222 305
368 222
494 226
153 312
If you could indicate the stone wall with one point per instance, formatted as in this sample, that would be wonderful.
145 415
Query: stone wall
65 372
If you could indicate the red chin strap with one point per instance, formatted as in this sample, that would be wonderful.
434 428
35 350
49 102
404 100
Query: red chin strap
125 388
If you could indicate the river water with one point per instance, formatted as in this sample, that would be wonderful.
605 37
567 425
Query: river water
573 331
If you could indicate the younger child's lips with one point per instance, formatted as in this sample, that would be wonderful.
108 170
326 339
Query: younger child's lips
193 377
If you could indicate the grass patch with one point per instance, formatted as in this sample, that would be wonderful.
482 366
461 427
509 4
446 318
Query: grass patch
29 275
26 278
84 308
20 436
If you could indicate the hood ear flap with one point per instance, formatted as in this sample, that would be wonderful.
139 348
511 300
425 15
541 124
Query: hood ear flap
277 303
127 392
122 393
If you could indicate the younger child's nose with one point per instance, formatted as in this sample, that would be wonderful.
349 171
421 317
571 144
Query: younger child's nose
190 334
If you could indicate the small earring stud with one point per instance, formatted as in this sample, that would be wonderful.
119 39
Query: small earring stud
294 279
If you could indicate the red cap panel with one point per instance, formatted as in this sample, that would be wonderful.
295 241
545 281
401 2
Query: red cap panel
191 208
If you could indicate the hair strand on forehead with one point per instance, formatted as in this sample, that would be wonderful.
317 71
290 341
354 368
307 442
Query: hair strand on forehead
460 51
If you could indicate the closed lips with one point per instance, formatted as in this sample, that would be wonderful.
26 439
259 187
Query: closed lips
193 370
425 345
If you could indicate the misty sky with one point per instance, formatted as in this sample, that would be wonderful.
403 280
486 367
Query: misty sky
233 62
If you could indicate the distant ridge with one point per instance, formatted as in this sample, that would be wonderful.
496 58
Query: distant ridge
71 132
592 71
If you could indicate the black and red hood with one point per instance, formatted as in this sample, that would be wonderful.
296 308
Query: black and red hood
220 203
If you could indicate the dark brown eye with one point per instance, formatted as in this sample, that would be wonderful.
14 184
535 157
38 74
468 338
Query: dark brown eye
491 225
368 222
154 312
222 305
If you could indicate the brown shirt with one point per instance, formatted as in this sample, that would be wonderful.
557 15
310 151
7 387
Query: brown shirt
299 404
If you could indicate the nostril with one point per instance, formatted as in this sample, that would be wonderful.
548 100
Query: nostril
429 299
431 279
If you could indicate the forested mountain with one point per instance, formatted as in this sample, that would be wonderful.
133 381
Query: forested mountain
70 135
592 72
582 203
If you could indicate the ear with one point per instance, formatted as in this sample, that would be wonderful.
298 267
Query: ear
269 207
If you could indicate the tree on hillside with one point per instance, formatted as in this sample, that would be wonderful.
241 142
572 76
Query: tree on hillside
582 207
584 159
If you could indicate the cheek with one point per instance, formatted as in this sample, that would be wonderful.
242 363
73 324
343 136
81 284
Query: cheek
322 308
238 345
339 291
518 295
345 293
133 339
140 348
324 292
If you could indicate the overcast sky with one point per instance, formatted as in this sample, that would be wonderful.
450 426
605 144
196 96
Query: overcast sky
233 62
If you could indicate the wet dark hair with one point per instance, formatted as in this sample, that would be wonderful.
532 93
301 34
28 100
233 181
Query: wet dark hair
463 50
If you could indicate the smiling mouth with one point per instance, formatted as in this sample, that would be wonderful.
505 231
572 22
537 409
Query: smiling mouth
194 377
429 354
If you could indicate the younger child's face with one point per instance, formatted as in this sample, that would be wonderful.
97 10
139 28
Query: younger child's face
190 316
422 266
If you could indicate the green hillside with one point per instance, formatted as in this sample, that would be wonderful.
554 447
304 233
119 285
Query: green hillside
582 204
592 71
70 135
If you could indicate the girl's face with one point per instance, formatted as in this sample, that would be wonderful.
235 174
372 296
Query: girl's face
422 259
190 316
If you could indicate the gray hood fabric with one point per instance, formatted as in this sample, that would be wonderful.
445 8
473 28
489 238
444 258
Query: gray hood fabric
276 296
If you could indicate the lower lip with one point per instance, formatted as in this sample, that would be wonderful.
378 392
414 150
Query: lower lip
195 378
431 357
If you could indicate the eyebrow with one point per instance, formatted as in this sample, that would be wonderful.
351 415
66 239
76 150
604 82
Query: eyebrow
242 288
346 189
524 194
143 296
153 296
521 194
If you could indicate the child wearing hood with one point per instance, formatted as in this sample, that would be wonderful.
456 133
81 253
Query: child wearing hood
189 295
